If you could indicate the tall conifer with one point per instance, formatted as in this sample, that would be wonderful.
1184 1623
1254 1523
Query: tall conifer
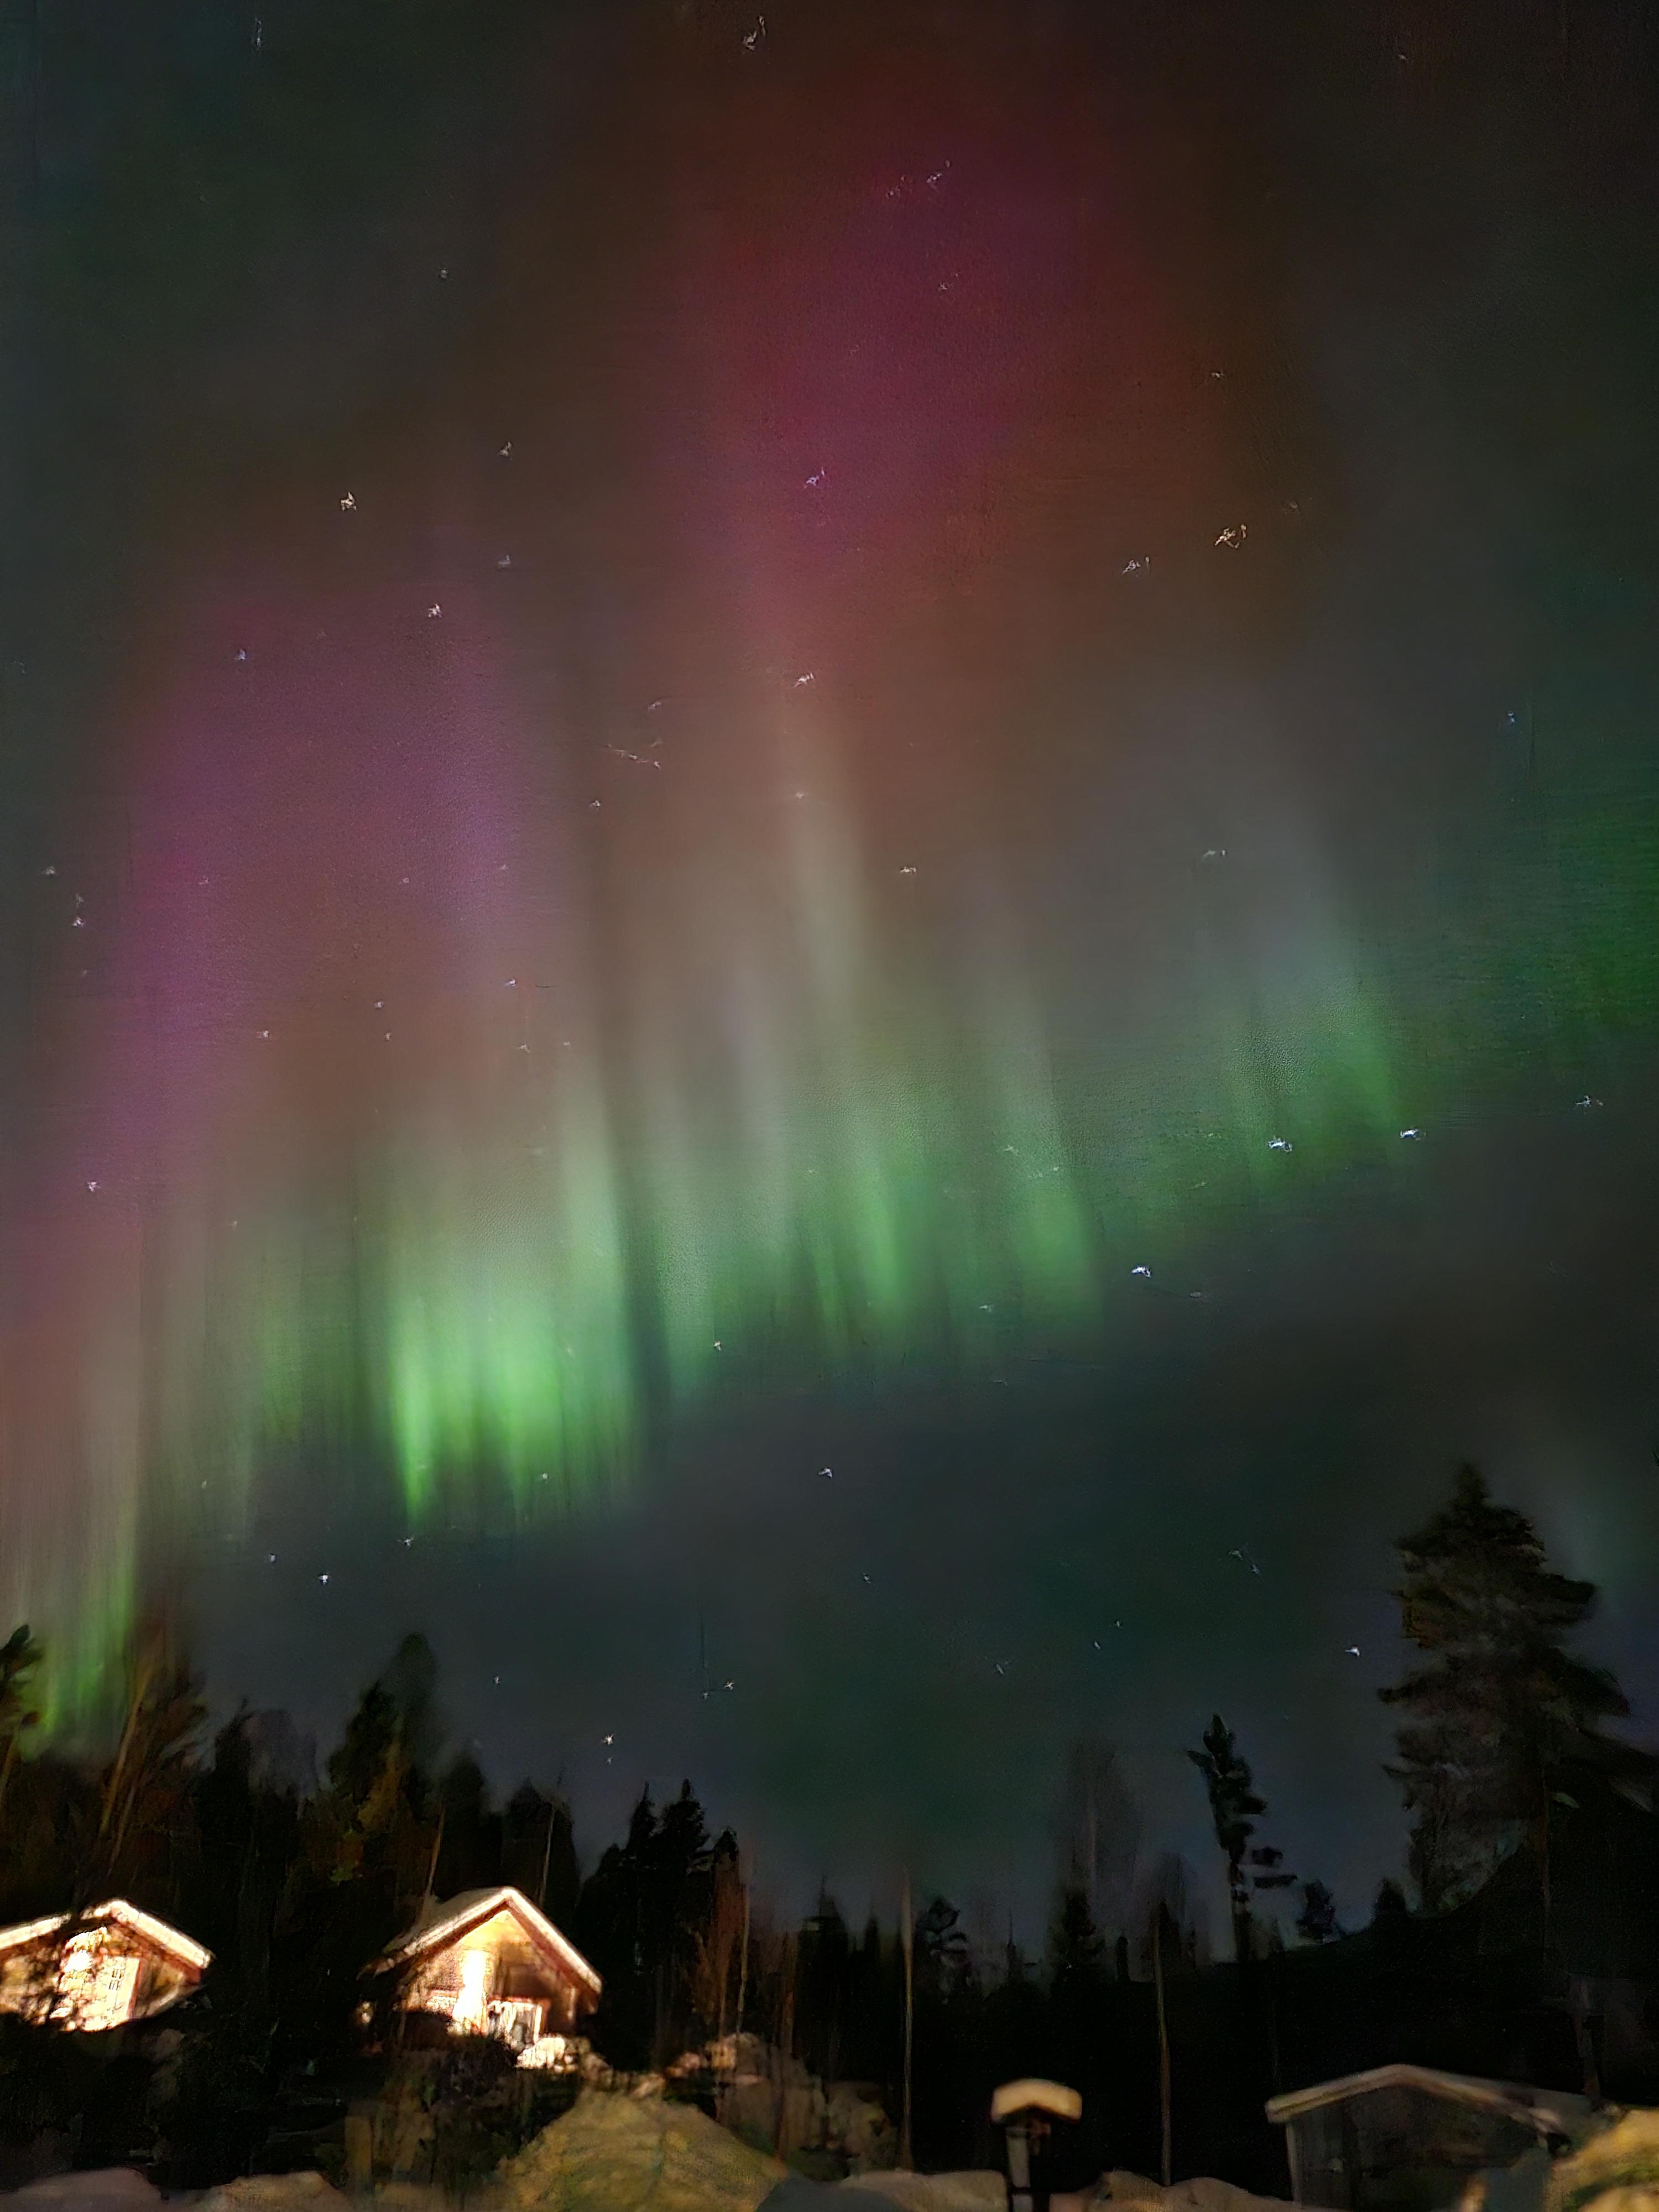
1501 1712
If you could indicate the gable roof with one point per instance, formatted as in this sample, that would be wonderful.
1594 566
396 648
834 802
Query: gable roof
443 1924
173 1941
1550 2111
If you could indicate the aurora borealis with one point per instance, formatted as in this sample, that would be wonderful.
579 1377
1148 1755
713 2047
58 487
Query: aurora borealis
703 716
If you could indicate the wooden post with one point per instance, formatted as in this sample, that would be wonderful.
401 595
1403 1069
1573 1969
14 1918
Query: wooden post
907 1946
1162 2038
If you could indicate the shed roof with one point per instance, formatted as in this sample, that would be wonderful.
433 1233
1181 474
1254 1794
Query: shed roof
1549 2112
443 1924
173 1941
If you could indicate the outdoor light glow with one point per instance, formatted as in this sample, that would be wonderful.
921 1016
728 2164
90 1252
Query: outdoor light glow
472 1999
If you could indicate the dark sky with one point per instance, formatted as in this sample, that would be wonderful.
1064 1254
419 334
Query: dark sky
827 861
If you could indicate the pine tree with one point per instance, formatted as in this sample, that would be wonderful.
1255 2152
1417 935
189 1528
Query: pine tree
1317 1922
368 1853
821 1979
1078 1977
1234 1808
944 1963
1501 1708
538 1852
639 1917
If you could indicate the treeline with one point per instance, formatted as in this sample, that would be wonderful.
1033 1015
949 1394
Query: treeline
296 1881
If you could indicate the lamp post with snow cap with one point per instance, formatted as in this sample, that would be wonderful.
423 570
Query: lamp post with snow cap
1026 2112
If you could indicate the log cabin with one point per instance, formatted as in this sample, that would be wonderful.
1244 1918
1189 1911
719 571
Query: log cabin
491 1964
94 1970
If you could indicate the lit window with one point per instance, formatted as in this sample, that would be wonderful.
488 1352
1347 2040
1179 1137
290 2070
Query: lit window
472 2002
96 1988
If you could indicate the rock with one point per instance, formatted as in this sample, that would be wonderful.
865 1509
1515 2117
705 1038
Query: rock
620 2153
275 2192
1617 2170
791 2114
857 2129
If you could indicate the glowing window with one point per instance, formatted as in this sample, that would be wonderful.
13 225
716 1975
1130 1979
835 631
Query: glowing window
96 1988
472 2002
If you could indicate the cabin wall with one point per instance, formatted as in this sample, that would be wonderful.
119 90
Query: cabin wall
97 1981
516 1994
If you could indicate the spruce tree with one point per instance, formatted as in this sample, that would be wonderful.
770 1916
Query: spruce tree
1501 1710
1234 1808
1317 1922
1077 1953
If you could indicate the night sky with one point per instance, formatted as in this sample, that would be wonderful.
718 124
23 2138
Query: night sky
829 879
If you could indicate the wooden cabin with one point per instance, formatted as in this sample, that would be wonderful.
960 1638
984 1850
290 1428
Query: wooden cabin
99 1969
1409 2138
490 1964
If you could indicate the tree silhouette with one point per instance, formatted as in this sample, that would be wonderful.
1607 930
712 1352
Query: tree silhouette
640 1916
1077 1951
1488 1725
1390 1905
20 1655
538 1852
944 1963
366 1851
1317 1922
144 1814
1234 1808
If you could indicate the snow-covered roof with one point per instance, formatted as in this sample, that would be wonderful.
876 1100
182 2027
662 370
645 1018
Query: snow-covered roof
176 1945
1031 2095
1551 2112
442 1924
